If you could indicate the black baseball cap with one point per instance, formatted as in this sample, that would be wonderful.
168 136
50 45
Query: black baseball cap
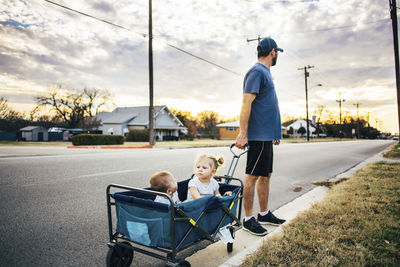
267 44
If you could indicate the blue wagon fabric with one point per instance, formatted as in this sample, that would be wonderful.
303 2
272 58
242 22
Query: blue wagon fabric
148 223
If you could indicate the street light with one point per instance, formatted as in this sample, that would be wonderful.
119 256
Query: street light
308 123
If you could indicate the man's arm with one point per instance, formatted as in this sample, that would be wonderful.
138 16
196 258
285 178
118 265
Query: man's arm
241 139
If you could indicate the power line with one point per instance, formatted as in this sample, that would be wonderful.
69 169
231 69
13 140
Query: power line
145 35
286 2
205 60
93 17
338 27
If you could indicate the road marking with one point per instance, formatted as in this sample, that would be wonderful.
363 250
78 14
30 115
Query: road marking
107 173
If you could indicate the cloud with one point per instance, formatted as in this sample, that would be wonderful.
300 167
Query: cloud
348 42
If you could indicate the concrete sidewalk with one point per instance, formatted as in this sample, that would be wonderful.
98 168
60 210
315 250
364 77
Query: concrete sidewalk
245 243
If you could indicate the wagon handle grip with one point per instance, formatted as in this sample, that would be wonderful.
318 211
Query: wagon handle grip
235 160
247 147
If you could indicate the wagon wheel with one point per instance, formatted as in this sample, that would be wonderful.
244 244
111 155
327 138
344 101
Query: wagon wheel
118 256
184 264
229 247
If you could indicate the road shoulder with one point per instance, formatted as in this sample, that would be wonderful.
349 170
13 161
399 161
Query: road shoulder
246 244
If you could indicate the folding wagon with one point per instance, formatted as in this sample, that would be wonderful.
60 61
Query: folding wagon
161 230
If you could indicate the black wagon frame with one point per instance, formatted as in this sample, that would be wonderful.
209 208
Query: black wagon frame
121 248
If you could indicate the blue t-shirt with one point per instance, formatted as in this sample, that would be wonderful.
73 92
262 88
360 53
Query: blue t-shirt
265 117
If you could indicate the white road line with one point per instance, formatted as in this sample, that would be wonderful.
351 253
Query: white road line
107 173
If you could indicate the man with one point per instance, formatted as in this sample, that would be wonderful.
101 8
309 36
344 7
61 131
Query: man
260 128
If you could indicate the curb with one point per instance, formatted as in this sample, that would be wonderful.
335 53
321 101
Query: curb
110 147
289 212
216 253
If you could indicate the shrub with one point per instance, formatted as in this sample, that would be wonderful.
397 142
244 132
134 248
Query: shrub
97 139
189 137
138 135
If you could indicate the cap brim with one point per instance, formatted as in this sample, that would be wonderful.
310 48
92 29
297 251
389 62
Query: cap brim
279 49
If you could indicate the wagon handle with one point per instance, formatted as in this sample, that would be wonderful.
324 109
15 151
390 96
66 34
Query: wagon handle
235 160
247 147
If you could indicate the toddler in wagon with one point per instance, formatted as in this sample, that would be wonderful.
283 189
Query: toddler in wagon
202 183
164 182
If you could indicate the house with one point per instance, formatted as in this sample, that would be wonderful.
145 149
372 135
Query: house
67 134
296 125
166 125
230 130
34 133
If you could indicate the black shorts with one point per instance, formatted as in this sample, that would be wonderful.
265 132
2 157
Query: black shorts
260 158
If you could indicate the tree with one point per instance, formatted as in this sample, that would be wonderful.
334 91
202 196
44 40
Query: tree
318 112
74 106
302 130
187 119
10 120
6 112
207 120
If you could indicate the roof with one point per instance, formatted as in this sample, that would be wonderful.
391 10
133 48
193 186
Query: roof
30 128
295 125
133 115
229 124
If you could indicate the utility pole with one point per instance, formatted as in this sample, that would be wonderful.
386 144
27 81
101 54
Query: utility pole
306 74
358 120
340 110
393 16
257 39
151 107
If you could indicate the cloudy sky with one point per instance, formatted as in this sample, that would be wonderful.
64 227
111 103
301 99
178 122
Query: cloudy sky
349 43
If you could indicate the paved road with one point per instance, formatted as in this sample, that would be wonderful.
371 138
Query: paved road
53 210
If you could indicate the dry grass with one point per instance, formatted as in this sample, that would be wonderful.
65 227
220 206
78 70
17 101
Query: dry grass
394 152
357 224
313 140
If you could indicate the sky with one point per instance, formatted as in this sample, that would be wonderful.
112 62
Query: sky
348 43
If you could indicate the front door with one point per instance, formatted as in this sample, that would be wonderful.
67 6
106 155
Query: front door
40 136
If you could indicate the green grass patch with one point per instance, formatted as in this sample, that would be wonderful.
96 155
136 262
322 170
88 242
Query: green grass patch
27 143
394 152
357 224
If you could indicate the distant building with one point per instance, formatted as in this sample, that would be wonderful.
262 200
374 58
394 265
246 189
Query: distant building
230 130
296 125
166 125
67 134
34 133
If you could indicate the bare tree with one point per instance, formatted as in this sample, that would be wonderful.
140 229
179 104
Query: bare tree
95 100
6 112
73 106
4 109
319 111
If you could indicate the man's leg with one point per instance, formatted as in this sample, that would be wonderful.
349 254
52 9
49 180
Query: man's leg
250 223
248 193
263 192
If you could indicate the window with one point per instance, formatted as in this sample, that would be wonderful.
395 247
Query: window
231 129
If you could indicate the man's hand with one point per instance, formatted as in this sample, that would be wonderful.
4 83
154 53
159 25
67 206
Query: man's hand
241 141
276 142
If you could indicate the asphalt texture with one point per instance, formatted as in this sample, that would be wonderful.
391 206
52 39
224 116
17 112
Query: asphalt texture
53 202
